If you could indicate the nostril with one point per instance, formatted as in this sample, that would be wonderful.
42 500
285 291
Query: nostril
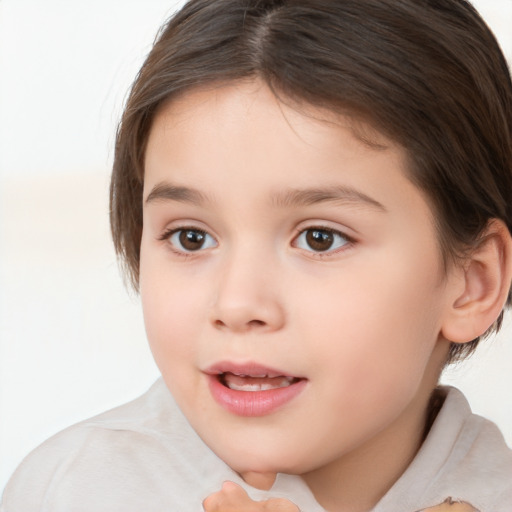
219 324
257 323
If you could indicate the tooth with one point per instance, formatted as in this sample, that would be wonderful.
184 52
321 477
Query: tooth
259 386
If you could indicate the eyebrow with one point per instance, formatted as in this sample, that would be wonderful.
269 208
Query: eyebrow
286 199
333 194
168 192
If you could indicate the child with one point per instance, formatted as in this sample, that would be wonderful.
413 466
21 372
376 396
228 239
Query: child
314 199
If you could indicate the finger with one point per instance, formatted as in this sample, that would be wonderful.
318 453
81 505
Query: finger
227 499
263 481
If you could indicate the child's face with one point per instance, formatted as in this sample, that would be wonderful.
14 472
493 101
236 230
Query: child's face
278 244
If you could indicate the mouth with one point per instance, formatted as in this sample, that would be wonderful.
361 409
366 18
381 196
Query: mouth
253 383
251 389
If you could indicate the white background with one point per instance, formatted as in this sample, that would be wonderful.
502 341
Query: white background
72 341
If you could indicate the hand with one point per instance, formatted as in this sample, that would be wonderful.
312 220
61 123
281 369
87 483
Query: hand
232 498
451 506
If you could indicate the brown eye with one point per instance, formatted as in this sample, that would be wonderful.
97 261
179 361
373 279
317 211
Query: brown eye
320 240
191 240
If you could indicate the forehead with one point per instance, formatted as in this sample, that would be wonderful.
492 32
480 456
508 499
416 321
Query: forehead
247 97
244 125
243 134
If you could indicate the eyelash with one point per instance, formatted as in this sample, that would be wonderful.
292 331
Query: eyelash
348 241
168 233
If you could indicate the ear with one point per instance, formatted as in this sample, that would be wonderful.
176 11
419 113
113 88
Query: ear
480 287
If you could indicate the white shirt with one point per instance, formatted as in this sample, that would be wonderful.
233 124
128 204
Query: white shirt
144 456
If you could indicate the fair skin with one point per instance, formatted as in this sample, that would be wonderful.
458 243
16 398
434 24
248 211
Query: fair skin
232 498
276 243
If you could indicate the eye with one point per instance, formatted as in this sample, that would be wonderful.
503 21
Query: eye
190 239
320 240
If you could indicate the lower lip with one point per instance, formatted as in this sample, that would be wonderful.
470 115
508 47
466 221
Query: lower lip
253 403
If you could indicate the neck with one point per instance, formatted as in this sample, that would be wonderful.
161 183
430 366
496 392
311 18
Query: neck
358 480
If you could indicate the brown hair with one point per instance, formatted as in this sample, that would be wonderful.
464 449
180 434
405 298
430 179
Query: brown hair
429 74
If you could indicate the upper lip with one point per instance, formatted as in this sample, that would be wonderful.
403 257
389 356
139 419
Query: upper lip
249 369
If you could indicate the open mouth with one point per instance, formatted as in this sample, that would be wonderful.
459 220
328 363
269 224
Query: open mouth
251 389
255 383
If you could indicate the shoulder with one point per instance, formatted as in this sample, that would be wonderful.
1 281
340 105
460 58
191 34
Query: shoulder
478 463
140 456
480 460
478 453
464 457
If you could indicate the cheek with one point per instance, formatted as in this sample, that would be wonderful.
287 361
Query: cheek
374 325
171 313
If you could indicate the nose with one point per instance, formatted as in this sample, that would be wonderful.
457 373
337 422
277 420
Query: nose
247 297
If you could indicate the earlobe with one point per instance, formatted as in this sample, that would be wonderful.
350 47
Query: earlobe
485 282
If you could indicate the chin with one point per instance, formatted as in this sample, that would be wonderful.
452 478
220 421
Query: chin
263 463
